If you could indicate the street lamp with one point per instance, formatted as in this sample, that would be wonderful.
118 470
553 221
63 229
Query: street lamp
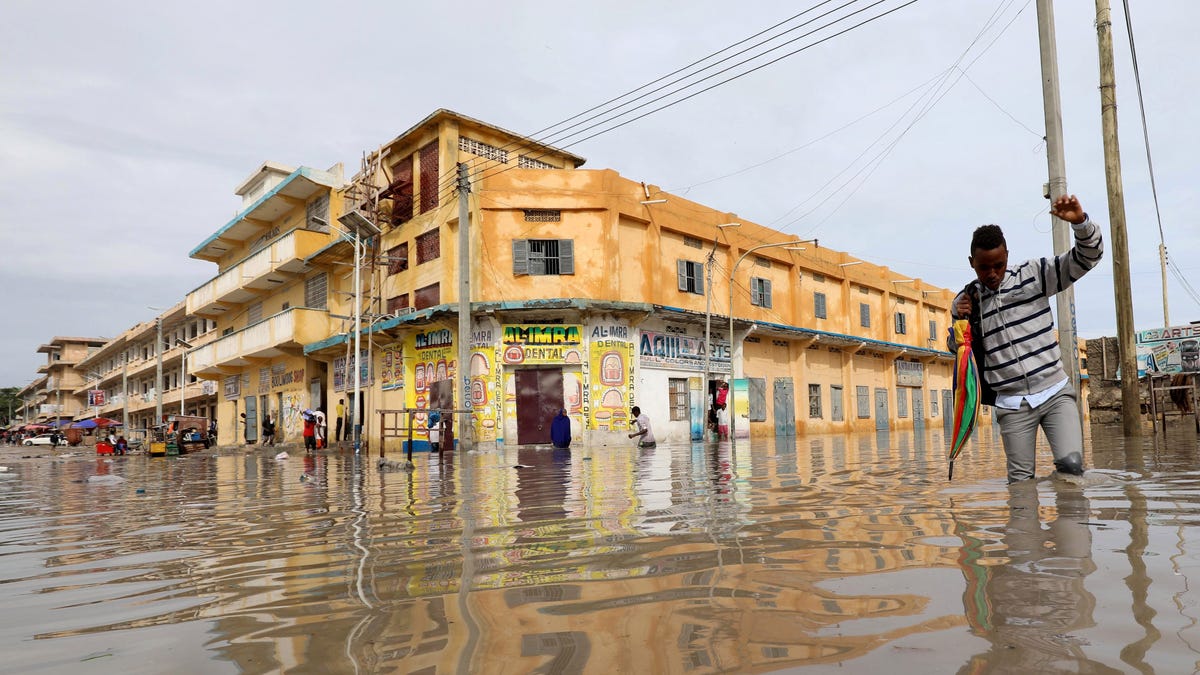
182 374
358 225
791 245
708 308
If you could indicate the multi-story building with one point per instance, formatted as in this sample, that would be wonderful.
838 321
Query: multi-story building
59 399
126 370
279 272
592 292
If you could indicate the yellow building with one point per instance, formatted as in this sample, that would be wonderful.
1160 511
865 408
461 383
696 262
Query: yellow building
279 265
58 398
591 292
125 370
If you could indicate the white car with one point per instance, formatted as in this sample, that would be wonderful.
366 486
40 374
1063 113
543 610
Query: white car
43 439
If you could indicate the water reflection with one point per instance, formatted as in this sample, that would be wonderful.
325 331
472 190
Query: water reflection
842 550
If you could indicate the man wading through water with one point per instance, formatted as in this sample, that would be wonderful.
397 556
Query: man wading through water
1021 372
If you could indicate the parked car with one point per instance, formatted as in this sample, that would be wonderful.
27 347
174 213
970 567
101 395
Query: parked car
42 439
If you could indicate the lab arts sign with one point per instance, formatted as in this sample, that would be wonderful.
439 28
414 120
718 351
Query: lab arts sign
1168 350
681 352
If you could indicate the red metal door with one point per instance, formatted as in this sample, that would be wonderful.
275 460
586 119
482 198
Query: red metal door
539 398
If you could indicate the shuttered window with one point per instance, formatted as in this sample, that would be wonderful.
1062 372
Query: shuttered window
864 315
933 334
318 209
760 292
543 256
814 401
819 310
429 177
678 388
758 399
397 303
254 313
835 403
864 402
901 323
427 297
400 191
429 246
316 293
691 276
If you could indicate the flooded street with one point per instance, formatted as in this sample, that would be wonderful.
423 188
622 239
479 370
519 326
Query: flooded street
847 553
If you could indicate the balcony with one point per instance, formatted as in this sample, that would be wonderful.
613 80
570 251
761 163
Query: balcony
286 332
257 275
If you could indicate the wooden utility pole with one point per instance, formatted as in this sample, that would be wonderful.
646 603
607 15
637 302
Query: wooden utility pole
1131 416
1056 165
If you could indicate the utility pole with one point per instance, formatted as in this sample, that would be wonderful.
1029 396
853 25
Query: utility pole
158 382
1057 183
1131 418
463 372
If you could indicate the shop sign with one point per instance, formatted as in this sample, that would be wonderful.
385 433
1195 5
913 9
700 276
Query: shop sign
95 398
1168 350
681 352
542 344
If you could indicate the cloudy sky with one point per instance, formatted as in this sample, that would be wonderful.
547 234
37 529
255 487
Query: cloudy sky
127 125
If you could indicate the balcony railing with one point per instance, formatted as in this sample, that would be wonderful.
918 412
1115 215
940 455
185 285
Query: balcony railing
287 331
263 270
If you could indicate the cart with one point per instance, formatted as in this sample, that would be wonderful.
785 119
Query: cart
188 433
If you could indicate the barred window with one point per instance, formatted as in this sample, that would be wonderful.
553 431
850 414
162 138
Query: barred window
316 291
864 315
819 278
690 276
761 261
814 401
397 303
483 149
543 216
527 162
429 246
397 258
901 323
678 388
254 313
543 256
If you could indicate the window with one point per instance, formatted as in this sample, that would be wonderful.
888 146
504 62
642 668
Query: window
427 297
227 331
901 402
316 291
429 246
286 307
678 388
819 278
835 403
483 149
397 303
254 313
760 292
693 242
864 315
429 176
933 403
543 256
758 399
318 209
690 276
814 401
864 402
526 162
400 191
933 334
543 216
762 262
398 258
819 310
901 323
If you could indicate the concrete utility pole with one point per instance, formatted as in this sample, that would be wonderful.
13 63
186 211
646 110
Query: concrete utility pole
1057 165
158 380
463 372
1131 417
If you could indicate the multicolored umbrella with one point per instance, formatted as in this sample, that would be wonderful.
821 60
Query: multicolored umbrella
966 392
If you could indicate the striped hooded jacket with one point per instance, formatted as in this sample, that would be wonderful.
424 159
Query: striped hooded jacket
1020 353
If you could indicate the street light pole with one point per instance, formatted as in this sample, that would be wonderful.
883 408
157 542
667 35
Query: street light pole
792 245
158 381
356 223
708 313
182 374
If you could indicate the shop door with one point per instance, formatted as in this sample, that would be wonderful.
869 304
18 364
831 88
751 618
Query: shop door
539 398
918 409
785 407
881 409
251 430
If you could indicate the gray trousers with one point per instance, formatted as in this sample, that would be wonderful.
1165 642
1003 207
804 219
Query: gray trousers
1059 419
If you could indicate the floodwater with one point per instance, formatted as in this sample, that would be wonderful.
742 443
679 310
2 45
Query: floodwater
815 554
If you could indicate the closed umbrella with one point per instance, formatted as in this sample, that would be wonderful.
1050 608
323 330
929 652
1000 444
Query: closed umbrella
966 392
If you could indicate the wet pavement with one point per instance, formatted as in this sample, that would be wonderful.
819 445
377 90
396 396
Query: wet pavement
815 554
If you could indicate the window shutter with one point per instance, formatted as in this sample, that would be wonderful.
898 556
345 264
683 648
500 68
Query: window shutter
819 305
566 256
766 293
681 268
699 277
315 291
520 256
